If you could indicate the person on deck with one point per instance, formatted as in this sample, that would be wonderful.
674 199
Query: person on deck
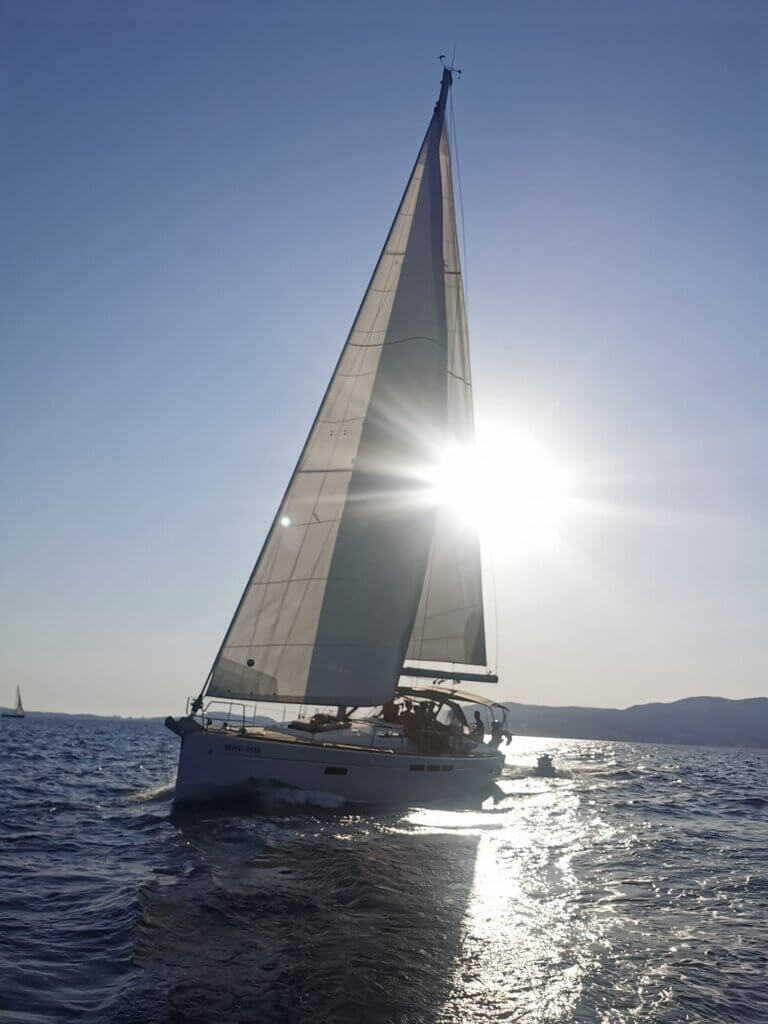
496 733
413 723
478 733
389 712
419 724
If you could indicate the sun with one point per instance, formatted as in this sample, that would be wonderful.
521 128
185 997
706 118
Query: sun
508 486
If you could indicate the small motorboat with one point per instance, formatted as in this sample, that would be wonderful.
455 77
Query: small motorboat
544 768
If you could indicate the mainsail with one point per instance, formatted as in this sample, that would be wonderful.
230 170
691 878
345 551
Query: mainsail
359 569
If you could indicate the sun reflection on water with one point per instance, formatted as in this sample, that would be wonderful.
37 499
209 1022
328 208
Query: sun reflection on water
609 894
523 956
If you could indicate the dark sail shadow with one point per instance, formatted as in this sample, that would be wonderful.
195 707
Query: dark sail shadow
303 919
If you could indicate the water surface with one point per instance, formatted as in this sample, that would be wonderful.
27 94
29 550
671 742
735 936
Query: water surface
632 888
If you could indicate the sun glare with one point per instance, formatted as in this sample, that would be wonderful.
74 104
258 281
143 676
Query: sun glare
508 486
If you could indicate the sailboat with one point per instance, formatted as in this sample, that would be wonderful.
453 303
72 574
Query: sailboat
366 599
18 710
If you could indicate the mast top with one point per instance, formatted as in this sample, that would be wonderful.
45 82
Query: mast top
449 67
445 84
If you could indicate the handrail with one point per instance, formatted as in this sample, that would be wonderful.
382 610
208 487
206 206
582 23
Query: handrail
223 710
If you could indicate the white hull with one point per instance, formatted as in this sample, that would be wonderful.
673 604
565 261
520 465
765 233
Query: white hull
224 765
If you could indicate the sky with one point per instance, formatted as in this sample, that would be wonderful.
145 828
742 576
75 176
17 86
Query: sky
193 198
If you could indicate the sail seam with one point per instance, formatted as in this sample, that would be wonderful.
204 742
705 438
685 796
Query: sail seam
448 636
314 643
351 579
396 341
458 377
452 611
348 419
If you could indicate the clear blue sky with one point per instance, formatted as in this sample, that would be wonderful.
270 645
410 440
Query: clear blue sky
193 197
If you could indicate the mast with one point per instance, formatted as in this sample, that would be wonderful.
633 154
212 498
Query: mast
445 87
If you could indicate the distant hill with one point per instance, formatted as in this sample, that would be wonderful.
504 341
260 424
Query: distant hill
709 721
86 714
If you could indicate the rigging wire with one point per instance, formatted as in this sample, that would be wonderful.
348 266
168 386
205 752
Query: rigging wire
465 279
455 141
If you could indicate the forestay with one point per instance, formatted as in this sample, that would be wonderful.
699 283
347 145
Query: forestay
358 567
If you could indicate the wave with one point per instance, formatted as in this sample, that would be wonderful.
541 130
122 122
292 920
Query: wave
153 794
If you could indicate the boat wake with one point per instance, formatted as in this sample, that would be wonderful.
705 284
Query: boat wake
524 771
302 798
153 794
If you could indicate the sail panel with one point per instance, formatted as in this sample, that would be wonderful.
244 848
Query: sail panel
449 625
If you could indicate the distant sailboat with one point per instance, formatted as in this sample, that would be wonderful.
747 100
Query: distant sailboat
18 711
362 570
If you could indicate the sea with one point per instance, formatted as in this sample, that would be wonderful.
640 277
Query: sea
632 887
